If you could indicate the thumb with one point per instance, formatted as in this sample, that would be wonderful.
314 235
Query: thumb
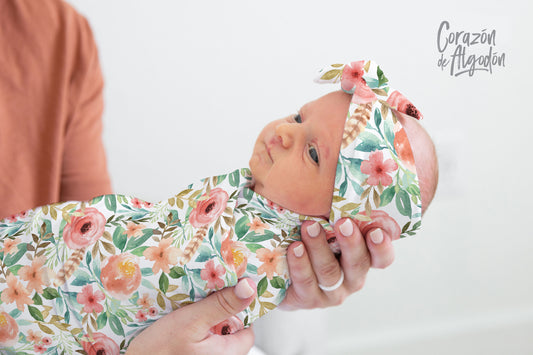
223 304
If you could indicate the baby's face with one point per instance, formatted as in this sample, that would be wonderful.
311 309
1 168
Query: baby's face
295 158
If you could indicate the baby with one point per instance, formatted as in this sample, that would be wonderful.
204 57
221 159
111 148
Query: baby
91 275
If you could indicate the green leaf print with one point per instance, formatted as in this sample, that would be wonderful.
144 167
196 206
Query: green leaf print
37 300
403 203
262 286
387 196
234 178
82 278
137 241
50 293
241 227
176 272
163 282
277 282
381 77
116 326
389 133
139 251
258 238
377 117
35 313
370 142
119 238
111 202
12 259
101 321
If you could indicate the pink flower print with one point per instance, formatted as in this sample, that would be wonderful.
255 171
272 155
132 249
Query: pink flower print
101 344
33 274
9 329
47 341
90 300
152 312
121 276
352 82
134 230
212 274
135 202
16 292
377 169
39 348
380 219
141 316
401 103
229 326
84 230
209 207
10 246
163 255
275 206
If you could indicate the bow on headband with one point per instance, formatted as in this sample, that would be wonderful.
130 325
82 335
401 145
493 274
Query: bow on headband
376 180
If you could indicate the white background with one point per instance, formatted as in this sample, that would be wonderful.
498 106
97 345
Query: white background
189 84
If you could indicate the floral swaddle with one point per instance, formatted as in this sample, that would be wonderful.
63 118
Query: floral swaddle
102 270
81 276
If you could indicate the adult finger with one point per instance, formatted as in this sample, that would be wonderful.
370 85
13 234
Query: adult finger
379 244
237 343
303 291
355 258
325 265
220 306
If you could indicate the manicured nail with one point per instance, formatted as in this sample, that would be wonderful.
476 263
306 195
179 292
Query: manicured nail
346 228
377 236
313 230
243 290
299 251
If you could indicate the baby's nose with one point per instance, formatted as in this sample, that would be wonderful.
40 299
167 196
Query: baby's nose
287 132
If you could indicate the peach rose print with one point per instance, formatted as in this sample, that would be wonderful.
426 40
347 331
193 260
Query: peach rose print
9 329
101 344
209 208
84 230
121 276
235 255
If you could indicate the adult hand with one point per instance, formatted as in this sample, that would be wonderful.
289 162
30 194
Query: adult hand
312 263
188 330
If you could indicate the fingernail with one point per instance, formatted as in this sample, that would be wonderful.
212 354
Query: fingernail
346 228
243 290
313 230
377 236
299 251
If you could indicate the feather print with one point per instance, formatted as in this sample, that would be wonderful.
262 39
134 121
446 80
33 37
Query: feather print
193 244
356 123
69 267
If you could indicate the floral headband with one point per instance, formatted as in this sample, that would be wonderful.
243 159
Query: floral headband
376 180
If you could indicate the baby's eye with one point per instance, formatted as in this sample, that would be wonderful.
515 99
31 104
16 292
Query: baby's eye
298 118
313 154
